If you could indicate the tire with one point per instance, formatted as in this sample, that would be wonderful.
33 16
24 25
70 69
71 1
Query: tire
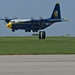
42 35
13 30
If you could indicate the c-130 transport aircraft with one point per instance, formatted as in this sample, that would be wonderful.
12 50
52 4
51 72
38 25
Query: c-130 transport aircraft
36 24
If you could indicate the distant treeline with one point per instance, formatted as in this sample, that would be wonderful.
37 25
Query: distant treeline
35 34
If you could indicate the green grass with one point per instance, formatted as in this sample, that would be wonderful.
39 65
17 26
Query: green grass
32 45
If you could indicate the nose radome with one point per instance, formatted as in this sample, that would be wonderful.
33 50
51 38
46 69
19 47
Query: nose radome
9 25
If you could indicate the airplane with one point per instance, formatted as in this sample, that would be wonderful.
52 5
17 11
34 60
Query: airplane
35 24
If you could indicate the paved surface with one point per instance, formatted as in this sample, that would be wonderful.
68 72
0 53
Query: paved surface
37 65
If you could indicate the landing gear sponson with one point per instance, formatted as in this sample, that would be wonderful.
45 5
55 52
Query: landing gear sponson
42 34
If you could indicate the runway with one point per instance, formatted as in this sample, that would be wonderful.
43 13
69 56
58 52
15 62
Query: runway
37 65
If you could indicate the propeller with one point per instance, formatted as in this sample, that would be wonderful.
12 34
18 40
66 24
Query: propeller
32 20
7 20
41 19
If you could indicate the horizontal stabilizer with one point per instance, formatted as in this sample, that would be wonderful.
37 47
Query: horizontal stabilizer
65 20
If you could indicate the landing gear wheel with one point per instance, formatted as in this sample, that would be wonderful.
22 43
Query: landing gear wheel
13 30
42 35
27 30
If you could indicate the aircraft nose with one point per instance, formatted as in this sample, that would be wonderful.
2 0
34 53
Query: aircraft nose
9 25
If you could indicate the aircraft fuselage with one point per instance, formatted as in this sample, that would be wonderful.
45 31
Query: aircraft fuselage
29 25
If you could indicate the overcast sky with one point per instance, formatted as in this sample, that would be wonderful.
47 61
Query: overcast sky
36 8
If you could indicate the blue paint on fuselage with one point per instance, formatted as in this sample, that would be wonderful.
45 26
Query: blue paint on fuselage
28 26
34 24
31 25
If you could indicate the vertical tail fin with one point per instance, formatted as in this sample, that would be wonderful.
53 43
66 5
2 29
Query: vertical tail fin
56 12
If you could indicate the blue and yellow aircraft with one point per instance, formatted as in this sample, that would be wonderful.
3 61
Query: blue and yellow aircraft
35 24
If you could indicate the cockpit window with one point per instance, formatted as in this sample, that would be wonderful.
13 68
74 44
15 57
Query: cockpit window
12 21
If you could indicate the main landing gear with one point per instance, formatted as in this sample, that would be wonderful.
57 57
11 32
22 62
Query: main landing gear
42 34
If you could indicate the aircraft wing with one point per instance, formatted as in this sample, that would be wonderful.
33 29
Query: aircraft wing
6 20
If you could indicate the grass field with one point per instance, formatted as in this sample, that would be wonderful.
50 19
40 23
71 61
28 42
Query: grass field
32 45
